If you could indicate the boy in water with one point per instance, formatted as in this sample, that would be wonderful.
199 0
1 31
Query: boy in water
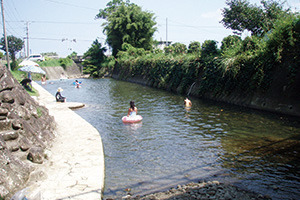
187 102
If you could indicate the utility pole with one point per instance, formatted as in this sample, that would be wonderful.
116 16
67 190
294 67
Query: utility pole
167 44
27 34
5 37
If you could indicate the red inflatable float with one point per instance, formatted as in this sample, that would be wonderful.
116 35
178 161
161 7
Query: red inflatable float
134 119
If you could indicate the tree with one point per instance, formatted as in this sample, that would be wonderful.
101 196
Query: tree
127 23
194 47
209 48
73 55
93 58
14 46
241 16
179 48
230 41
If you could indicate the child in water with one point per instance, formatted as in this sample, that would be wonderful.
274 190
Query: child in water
77 84
187 102
132 111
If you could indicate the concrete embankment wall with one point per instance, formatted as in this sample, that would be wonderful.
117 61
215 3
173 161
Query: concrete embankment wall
53 73
279 98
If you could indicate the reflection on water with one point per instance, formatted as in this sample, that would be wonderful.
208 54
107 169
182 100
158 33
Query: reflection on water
175 145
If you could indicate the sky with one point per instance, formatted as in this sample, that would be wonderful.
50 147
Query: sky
64 26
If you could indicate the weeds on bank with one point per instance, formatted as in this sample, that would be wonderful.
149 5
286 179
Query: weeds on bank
19 76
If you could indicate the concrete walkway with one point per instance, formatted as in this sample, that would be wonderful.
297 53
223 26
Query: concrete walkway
75 169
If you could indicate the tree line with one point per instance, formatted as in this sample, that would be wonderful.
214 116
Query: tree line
239 64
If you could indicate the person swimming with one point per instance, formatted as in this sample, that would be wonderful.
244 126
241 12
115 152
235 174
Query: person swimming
77 84
187 102
132 111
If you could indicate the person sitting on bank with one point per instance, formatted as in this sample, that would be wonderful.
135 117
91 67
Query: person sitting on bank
187 102
25 83
59 97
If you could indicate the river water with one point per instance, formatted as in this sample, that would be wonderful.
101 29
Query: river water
173 145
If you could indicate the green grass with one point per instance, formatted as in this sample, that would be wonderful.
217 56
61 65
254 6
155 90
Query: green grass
49 63
39 112
21 75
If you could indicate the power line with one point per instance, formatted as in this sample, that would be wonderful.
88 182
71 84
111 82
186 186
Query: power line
11 14
15 9
68 4
58 39
57 22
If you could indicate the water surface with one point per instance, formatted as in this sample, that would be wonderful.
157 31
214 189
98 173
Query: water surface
254 150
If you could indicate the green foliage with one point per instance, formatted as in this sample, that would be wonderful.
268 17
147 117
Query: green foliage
19 76
73 55
65 62
283 45
39 112
1 55
209 48
179 48
94 57
14 46
230 42
127 23
240 66
49 63
169 50
194 47
241 16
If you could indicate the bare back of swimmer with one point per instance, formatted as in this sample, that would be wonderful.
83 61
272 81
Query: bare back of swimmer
187 102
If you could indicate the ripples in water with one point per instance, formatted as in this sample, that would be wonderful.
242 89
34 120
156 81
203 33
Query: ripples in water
173 145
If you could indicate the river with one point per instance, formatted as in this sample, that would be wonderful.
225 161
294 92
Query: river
254 150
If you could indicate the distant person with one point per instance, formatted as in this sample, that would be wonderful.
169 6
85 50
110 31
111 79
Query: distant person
132 111
77 84
63 76
59 97
25 83
187 102
44 80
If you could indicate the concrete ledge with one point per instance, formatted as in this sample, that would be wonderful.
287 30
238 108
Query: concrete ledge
75 169
71 105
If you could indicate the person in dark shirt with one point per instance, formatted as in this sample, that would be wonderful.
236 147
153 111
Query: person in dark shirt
59 97
25 83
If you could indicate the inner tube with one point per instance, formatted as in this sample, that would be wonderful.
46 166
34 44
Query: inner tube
129 119
74 83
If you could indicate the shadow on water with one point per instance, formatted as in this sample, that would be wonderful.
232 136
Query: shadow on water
254 150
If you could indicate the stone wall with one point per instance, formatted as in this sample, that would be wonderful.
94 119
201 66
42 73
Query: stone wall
26 130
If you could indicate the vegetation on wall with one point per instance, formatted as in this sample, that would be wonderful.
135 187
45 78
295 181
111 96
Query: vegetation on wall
239 65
